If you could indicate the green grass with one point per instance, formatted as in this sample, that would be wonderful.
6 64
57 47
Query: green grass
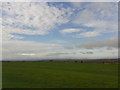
59 75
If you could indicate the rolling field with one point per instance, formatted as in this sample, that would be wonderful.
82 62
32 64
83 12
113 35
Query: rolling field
59 75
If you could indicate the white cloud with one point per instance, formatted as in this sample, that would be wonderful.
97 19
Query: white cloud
88 34
60 0
17 49
84 16
40 19
80 32
103 26
100 16
28 54
32 18
70 30
76 4
30 50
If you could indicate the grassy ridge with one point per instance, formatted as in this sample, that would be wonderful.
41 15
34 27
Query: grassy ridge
59 75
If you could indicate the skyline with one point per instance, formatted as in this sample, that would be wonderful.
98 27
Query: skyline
58 30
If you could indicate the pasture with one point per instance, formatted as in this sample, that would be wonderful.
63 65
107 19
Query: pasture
59 75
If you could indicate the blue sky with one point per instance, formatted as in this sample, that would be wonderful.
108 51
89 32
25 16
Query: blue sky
59 30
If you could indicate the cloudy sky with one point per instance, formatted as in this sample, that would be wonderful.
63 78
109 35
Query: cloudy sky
57 30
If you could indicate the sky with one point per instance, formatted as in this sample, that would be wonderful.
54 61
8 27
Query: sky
59 30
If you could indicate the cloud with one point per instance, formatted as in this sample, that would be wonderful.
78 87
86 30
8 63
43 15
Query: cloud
84 16
70 30
26 18
28 54
111 42
22 46
58 53
30 50
88 34
80 32
68 47
76 4
94 0
100 16
17 49
88 52
60 0
42 18
69 53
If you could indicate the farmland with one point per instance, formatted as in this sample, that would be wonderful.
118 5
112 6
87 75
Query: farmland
59 75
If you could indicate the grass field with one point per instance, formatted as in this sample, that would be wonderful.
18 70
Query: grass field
59 75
